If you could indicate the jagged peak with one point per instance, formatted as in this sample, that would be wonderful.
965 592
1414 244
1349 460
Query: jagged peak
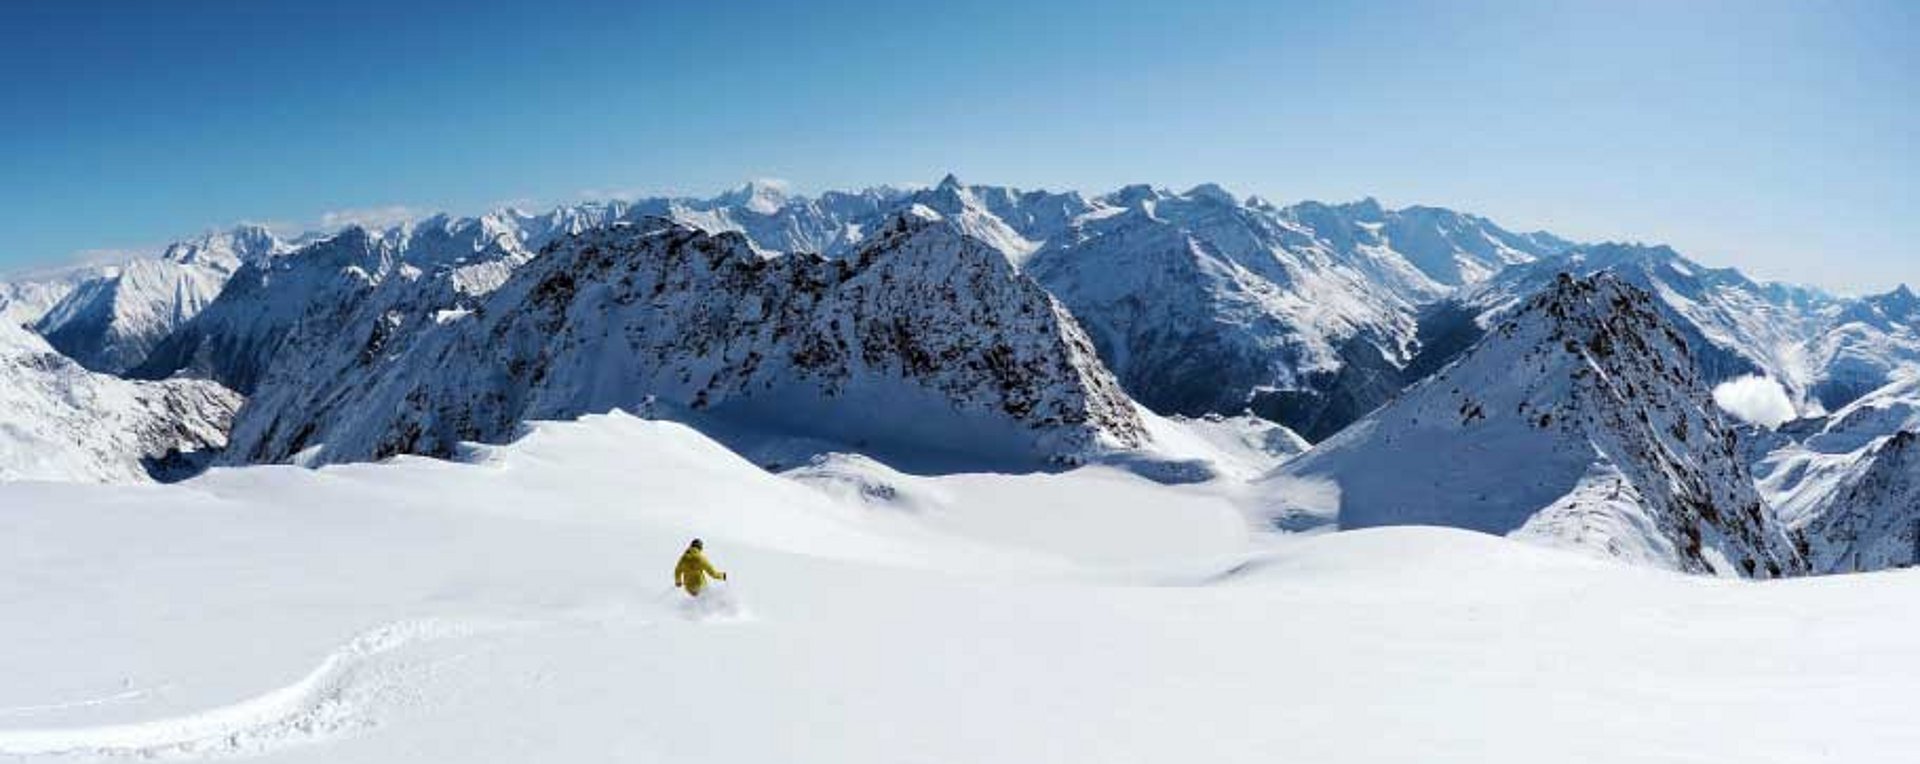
764 196
1596 293
1901 294
1367 208
245 242
1138 196
1213 192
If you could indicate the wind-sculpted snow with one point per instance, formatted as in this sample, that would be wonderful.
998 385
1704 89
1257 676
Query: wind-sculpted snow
59 421
1580 420
925 341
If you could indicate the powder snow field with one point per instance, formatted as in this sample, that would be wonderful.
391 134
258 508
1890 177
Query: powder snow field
517 608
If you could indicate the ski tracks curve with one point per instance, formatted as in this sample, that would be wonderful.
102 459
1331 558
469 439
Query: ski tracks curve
339 695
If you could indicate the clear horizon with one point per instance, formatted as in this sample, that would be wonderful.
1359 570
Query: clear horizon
1771 137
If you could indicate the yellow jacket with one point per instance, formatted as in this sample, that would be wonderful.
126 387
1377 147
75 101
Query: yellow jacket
693 569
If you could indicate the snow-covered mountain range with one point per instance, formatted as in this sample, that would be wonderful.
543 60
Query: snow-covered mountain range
112 320
965 326
1203 302
923 322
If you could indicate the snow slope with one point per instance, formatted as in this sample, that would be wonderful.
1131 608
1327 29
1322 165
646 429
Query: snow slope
59 421
518 609
1580 420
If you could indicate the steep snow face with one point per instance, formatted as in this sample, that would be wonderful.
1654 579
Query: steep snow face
111 322
1850 482
923 344
1580 420
59 421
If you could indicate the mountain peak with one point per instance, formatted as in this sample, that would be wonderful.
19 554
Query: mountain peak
763 196
1368 208
1579 420
1137 195
1213 192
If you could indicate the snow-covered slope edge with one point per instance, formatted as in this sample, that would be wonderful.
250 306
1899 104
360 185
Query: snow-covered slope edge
924 345
1581 421
59 421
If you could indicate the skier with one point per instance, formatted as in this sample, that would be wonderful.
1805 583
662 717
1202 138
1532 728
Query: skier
692 570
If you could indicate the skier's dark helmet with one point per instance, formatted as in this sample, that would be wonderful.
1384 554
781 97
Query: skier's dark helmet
697 545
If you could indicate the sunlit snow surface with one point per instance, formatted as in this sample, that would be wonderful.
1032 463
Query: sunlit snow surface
519 608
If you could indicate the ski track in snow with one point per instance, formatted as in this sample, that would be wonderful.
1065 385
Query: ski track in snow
344 693
124 696
340 695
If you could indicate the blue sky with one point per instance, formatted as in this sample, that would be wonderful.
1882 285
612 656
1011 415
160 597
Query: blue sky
1777 137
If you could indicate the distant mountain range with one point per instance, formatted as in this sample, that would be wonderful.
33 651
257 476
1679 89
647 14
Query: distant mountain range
965 326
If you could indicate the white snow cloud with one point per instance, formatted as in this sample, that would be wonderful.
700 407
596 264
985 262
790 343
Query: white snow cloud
1755 400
